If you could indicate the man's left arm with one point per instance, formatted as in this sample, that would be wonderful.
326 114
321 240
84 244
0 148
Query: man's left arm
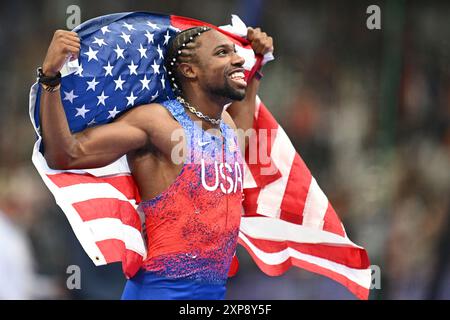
243 111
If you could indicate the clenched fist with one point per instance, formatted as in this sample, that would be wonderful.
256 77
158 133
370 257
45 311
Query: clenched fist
64 44
260 41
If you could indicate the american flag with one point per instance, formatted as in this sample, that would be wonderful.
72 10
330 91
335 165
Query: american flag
287 220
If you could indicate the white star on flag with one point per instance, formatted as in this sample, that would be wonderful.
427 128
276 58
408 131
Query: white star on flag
119 82
152 25
160 52
79 71
92 54
81 112
132 68
155 67
108 69
156 95
105 30
92 84
174 29
142 51
102 98
99 42
131 99
70 96
119 51
128 26
92 122
166 38
149 37
163 82
113 113
145 83
126 37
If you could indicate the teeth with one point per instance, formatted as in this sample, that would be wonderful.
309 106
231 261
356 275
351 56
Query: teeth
237 75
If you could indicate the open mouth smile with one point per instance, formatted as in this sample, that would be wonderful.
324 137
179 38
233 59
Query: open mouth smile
238 77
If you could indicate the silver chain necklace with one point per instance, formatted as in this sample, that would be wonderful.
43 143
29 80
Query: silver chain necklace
197 113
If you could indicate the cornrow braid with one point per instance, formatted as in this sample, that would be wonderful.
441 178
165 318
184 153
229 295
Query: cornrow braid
180 50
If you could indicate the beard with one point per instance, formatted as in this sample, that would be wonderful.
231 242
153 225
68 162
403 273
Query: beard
227 91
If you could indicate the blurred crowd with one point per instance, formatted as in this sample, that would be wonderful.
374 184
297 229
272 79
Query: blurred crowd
368 110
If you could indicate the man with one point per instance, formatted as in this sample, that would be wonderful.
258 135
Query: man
192 209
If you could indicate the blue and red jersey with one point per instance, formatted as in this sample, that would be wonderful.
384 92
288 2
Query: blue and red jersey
192 227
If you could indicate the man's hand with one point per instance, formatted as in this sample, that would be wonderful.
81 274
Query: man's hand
64 44
242 112
260 41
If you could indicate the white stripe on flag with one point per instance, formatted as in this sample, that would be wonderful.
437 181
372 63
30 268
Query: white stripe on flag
280 230
360 276
248 55
316 206
271 196
77 224
32 103
87 191
110 228
119 166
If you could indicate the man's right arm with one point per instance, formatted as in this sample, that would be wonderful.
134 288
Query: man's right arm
93 147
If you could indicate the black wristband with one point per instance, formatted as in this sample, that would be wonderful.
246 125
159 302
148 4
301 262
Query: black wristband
49 81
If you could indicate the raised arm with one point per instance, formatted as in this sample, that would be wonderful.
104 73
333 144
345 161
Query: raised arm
243 111
93 147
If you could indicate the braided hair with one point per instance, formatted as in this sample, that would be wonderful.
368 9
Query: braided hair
181 49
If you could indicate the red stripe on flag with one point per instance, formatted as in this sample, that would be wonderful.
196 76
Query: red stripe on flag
351 257
114 250
124 183
234 267
297 188
250 202
291 217
108 208
279 269
131 263
332 223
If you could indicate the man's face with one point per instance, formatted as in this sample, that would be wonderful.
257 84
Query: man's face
219 68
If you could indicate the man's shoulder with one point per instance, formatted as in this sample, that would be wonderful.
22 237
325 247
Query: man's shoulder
147 113
150 109
147 116
226 117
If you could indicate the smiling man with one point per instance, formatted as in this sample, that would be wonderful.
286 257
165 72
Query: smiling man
192 209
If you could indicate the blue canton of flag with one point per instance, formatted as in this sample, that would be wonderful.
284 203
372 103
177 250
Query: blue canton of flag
120 65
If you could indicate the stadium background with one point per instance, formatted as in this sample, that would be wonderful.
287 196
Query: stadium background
368 110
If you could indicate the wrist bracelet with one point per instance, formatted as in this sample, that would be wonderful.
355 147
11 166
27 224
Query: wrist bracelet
48 81
50 88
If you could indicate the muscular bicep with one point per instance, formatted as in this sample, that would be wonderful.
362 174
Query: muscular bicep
101 145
